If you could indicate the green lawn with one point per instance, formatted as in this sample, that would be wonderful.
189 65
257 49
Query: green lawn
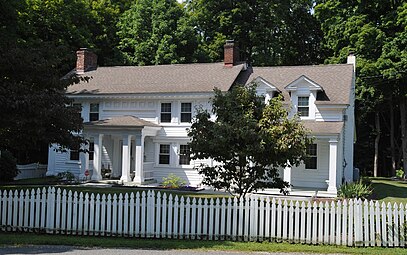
388 190
167 244
53 182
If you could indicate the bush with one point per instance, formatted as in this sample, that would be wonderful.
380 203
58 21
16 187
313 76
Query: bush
355 190
400 173
8 166
66 176
173 181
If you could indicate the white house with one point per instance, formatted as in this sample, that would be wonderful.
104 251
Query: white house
137 116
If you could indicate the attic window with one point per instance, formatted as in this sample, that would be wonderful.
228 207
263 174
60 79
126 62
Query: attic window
303 106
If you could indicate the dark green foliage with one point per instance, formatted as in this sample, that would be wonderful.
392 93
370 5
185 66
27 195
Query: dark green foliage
355 190
33 105
156 32
280 32
8 166
376 32
250 139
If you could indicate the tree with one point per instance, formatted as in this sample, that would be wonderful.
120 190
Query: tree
156 32
282 32
34 109
250 140
368 29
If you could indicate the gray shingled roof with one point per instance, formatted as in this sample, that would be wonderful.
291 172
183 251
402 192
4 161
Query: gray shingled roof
121 121
336 80
323 127
158 79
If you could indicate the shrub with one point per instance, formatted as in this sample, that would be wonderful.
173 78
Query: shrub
173 181
400 173
8 166
355 190
66 176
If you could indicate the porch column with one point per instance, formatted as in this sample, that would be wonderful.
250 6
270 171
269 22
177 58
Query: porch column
97 158
333 151
116 157
287 174
84 161
126 158
139 160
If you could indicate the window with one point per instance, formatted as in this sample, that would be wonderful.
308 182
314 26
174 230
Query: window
74 152
78 108
303 106
186 112
94 112
91 150
164 157
165 112
184 155
311 160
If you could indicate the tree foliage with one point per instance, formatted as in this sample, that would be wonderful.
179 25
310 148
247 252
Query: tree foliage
34 109
156 32
373 30
268 32
250 138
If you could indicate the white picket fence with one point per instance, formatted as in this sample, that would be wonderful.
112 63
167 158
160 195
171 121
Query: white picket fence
156 215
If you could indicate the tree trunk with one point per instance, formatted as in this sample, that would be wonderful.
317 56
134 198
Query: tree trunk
392 144
376 145
403 120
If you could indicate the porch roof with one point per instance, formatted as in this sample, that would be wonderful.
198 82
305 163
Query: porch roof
324 127
121 121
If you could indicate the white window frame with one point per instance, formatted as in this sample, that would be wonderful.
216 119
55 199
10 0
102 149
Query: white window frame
313 156
94 112
161 112
160 153
303 106
179 156
181 112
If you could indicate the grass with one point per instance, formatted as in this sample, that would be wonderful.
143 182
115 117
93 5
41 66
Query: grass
19 239
387 190
36 183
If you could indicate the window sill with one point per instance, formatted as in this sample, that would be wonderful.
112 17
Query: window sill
73 162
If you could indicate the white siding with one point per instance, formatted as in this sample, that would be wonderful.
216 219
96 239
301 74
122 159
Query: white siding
313 178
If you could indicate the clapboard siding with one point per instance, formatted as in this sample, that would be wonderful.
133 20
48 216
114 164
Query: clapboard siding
302 177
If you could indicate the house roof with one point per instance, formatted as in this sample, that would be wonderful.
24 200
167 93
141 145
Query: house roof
323 127
335 80
121 121
158 79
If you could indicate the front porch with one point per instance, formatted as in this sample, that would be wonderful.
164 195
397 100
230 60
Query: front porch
118 145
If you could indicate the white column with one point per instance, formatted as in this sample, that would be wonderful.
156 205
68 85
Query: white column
97 158
287 174
126 158
84 161
333 156
139 160
116 157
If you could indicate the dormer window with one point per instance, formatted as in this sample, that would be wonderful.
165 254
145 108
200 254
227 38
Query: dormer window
303 106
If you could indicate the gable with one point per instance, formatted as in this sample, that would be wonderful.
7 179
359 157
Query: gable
263 85
303 83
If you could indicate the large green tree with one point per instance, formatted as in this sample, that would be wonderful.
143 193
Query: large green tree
156 32
371 30
34 109
282 32
249 138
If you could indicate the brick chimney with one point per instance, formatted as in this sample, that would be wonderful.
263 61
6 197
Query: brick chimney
231 53
86 60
